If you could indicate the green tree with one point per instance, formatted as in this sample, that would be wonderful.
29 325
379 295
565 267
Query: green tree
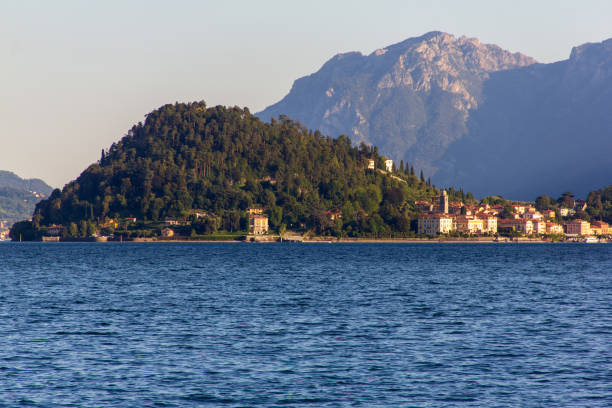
190 157
83 228
544 202
73 230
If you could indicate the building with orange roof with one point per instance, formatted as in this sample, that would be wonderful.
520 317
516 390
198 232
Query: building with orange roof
600 228
423 205
519 225
554 228
489 224
469 224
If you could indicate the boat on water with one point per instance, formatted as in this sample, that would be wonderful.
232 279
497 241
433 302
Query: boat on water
591 240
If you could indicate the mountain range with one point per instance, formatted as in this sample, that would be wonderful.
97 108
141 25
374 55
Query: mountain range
19 196
470 114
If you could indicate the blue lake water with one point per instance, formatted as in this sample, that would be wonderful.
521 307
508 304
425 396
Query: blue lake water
305 325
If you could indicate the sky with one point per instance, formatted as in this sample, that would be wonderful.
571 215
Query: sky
76 75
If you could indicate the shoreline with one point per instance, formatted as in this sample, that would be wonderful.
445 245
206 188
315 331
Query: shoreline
331 240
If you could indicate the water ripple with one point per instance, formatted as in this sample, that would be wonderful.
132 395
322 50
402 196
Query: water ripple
181 325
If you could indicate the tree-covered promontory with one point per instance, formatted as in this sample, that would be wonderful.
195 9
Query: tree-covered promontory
219 162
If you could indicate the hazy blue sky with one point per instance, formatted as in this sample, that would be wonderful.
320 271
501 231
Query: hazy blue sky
75 75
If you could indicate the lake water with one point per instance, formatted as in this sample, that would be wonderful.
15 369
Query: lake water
305 325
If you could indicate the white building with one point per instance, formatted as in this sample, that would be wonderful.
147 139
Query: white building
469 224
489 224
388 165
435 224
539 226
554 228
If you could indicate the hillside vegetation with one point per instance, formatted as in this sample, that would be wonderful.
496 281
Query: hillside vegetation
16 204
599 204
221 161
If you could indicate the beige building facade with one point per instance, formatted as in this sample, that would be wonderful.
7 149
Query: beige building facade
578 227
435 224
258 224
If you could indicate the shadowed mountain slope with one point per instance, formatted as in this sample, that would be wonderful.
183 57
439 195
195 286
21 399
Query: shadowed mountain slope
470 114
412 99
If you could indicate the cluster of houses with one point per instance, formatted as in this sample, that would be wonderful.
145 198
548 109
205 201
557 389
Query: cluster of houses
445 217
258 224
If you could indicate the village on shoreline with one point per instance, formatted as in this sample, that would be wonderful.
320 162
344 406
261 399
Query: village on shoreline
440 221
520 221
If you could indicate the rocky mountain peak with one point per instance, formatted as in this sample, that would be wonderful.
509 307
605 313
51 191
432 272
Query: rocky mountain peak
442 60
589 50
456 108
386 97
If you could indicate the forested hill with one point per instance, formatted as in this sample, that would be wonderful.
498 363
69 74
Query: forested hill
223 160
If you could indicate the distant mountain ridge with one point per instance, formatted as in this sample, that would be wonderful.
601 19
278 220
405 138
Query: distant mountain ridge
18 196
460 110
412 99
10 179
545 128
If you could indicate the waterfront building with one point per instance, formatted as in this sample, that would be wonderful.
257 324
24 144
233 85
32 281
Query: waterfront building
489 224
554 228
258 224
539 226
578 227
469 224
520 225
435 224
600 228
